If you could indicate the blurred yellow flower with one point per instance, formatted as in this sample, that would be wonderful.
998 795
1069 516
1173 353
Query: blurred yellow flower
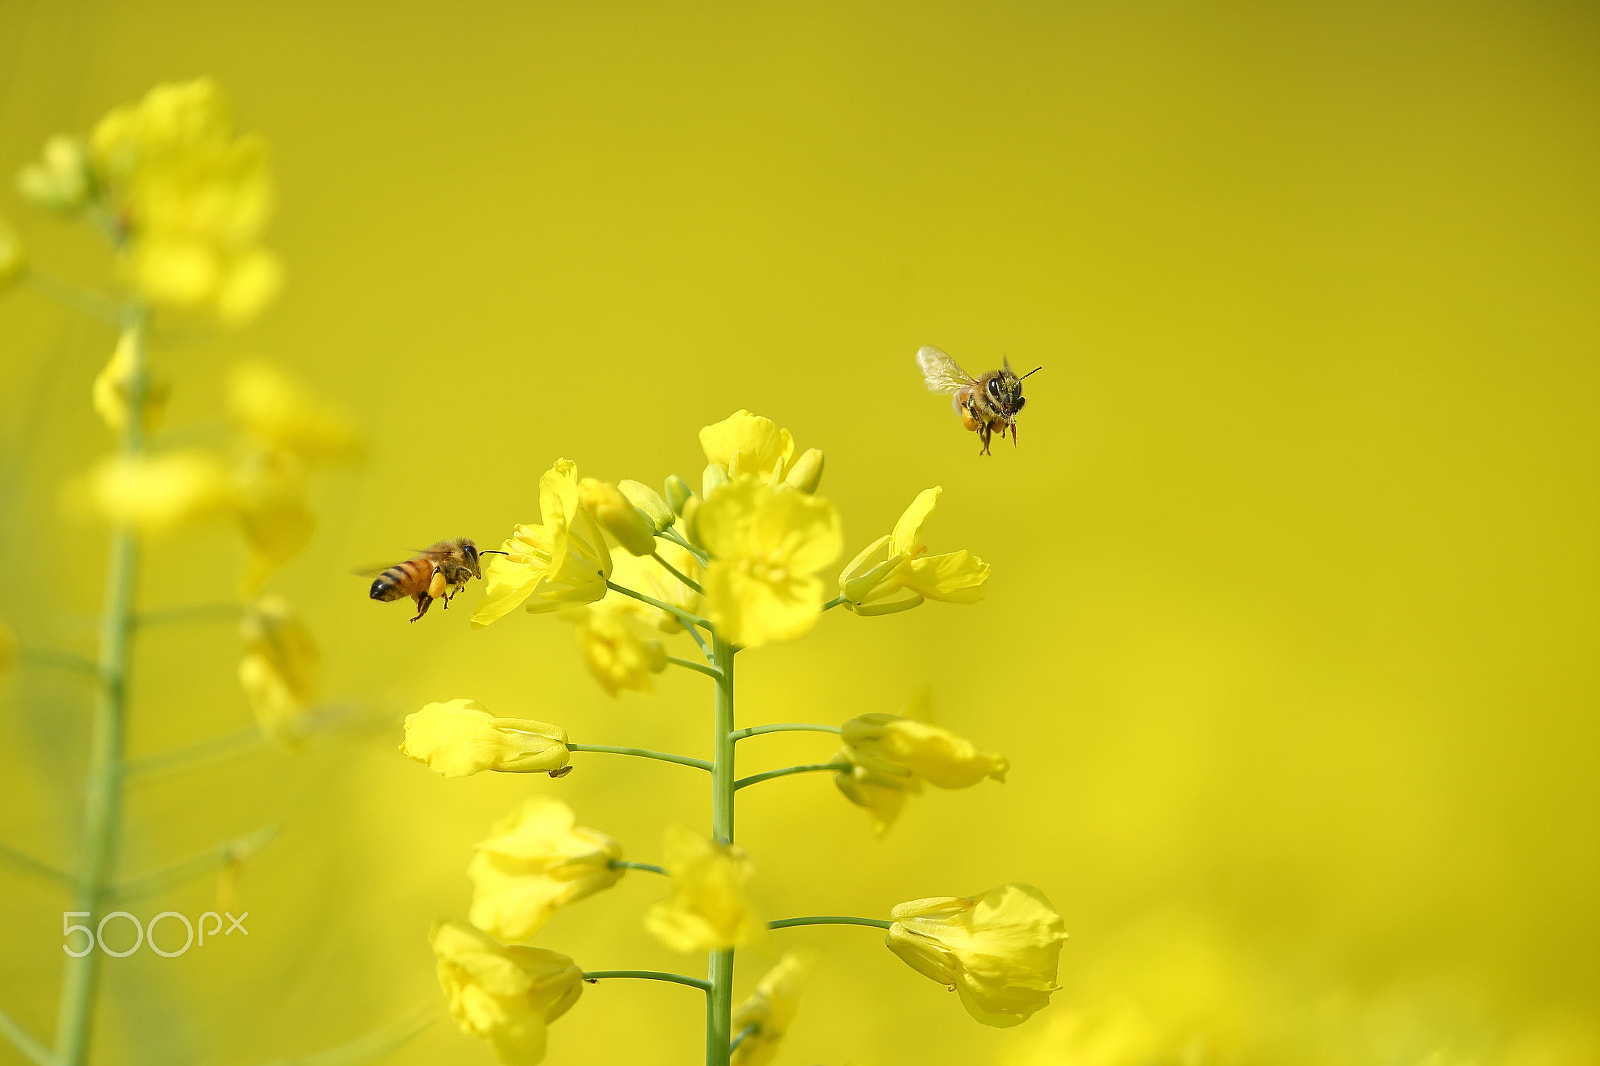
154 493
561 563
893 573
767 545
616 514
458 738
193 199
110 391
646 575
998 951
770 1010
535 861
273 513
806 473
747 445
890 756
505 995
710 907
277 413
61 180
613 649
13 256
279 670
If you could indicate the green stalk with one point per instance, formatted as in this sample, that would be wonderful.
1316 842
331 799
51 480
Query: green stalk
829 919
719 1003
102 809
810 768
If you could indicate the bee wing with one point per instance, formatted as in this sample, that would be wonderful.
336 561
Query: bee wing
942 373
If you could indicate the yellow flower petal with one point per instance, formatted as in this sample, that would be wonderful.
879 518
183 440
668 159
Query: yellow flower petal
766 1016
710 908
154 493
278 413
458 737
110 391
999 950
505 995
744 444
535 861
894 573
279 671
613 649
615 514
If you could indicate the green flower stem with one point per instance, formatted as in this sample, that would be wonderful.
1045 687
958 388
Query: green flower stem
746 1031
24 1042
647 975
79 299
690 664
837 601
680 575
198 612
205 753
786 727
677 612
59 660
756 779
679 539
719 1004
643 753
829 919
623 864
21 861
102 807
214 859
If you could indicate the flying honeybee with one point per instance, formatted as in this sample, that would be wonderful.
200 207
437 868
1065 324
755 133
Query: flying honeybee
985 403
436 573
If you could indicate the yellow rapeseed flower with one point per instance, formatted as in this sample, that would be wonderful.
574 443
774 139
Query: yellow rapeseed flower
747 445
890 757
61 180
616 514
457 738
710 907
154 493
273 511
505 995
109 393
277 413
894 573
770 1010
613 648
559 564
279 670
767 545
648 500
646 575
999 951
535 861
193 198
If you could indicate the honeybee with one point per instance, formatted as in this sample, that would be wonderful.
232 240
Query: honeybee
985 403
436 573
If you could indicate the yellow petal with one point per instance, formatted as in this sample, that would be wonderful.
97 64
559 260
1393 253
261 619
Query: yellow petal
458 737
710 908
279 413
154 493
959 577
747 444
535 861
907 536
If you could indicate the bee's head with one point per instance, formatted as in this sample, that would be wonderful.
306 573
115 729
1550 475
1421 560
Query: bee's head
1005 390
469 556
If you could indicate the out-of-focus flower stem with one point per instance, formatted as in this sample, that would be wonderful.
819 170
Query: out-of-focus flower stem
678 539
829 919
20 861
739 1039
647 975
60 660
102 809
680 575
217 857
199 612
756 779
690 621
786 727
20 1039
205 753
643 753
81 300
689 664
835 602
719 1003
624 864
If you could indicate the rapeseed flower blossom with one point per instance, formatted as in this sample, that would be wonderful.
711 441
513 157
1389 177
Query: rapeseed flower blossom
109 393
191 197
615 651
747 445
458 738
278 414
279 670
645 574
505 995
562 563
893 573
998 951
766 1015
767 545
535 861
710 907
630 527
160 492
61 180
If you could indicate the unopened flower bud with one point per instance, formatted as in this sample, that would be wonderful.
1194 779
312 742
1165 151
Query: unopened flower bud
678 493
714 478
806 474
650 502
631 527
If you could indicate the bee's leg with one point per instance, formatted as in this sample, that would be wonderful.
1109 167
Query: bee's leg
983 435
424 601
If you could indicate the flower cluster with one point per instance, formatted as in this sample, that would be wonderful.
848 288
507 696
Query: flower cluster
739 565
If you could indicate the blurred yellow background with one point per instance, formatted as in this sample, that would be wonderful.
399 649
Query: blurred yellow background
1292 625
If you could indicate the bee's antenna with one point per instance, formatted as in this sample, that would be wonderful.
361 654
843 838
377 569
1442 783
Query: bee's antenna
1032 372
491 551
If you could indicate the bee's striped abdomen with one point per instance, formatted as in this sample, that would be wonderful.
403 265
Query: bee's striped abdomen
403 579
